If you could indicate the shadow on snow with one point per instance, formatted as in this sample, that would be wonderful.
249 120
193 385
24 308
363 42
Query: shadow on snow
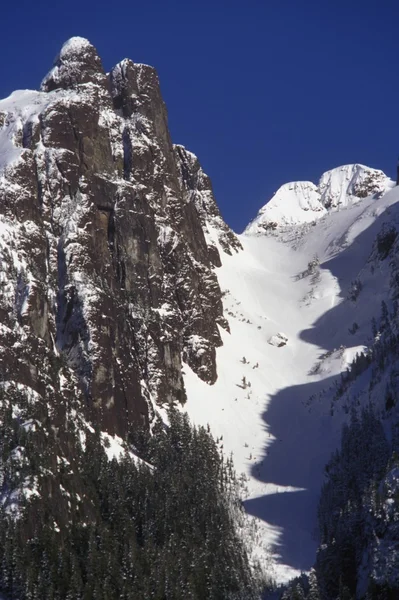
305 436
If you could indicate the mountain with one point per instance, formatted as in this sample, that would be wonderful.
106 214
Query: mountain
312 307
304 202
105 260
127 299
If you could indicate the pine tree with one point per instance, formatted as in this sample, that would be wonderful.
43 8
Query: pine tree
314 592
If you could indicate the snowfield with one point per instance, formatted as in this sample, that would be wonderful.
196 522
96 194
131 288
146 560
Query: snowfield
266 406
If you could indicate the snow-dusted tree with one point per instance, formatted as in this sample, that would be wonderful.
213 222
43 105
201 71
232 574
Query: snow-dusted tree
314 592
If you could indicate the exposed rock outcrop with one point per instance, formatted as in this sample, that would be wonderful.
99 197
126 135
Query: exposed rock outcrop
109 239
279 340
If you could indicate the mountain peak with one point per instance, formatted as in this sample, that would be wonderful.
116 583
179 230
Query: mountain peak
302 202
75 46
294 203
78 62
347 184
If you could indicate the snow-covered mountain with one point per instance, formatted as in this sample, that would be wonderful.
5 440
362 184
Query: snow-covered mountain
303 202
123 290
318 284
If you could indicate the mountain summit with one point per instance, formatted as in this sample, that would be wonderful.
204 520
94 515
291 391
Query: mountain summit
302 202
77 63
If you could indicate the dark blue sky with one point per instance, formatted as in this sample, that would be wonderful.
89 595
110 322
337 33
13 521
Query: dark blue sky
263 91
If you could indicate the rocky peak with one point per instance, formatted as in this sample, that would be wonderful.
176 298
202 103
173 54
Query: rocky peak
109 240
77 63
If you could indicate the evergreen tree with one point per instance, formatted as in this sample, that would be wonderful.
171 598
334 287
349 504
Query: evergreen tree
163 530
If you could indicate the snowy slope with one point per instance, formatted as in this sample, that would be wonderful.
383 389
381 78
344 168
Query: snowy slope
294 203
301 202
265 405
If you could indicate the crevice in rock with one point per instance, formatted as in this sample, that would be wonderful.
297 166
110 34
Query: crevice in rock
127 154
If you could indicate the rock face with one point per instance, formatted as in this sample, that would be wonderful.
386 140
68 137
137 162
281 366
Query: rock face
303 202
197 190
109 237
77 63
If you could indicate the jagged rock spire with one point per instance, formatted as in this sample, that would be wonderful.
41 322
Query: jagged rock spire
77 63
125 242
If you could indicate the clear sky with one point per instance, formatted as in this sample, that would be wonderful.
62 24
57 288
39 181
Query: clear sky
263 91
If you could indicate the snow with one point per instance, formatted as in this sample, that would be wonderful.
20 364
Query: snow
74 46
20 106
21 109
69 60
302 202
30 425
8 152
24 102
338 187
294 203
115 448
267 405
